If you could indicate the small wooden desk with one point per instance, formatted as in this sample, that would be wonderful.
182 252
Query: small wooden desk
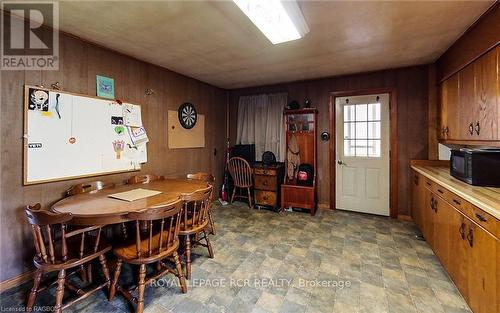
96 208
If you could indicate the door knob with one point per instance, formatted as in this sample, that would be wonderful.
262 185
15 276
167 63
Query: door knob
339 162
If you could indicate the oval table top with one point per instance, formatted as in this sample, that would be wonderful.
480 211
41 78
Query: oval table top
96 208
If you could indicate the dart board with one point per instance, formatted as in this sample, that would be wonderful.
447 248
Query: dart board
187 115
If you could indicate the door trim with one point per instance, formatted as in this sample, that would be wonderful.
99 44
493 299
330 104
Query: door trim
393 138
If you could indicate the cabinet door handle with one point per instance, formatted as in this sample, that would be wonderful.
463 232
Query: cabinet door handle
264 183
446 130
427 183
478 128
481 217
461 230
471 129
470 237
456 202
440 191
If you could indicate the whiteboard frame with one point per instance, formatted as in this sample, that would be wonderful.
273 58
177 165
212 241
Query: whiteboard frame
25 140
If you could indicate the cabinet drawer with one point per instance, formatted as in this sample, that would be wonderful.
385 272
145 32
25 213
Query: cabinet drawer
265 197
488 222
263 182
440 191
428 184
457 202
265 171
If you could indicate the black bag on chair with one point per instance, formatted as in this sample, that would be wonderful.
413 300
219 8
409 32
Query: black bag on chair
305 175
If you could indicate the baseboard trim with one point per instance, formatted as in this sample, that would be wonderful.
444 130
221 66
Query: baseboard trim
324 206
406 218
16 280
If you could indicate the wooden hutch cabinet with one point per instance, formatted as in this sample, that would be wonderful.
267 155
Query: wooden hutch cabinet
301 134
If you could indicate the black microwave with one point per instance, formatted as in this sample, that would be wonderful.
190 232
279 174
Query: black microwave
479 167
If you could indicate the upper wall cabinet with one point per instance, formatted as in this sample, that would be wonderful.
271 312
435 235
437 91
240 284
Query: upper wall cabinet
470 112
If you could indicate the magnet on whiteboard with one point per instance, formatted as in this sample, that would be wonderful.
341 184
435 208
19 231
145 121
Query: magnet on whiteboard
72 140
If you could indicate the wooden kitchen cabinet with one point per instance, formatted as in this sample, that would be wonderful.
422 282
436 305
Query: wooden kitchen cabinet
485 112
429 220
482 264
464 238
458 263
470 104
449 117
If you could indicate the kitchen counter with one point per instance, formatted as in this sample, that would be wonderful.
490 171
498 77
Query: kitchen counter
485 198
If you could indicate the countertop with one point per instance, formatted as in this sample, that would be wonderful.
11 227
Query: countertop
485 198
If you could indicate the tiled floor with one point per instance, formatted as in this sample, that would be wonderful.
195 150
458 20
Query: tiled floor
264 262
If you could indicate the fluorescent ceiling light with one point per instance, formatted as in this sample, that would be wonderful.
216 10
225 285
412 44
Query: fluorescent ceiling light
280 21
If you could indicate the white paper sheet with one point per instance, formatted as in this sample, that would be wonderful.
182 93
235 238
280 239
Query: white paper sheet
132 115
134 194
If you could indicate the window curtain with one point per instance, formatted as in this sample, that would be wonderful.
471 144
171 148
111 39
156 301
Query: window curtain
260 122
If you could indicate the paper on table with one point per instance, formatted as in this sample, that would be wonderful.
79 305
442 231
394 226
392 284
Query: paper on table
134 194
132 115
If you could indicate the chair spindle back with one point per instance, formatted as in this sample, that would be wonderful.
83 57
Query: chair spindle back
240 171
160 221
144 179
50 234
196 207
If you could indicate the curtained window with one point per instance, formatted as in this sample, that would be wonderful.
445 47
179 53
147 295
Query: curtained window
260 122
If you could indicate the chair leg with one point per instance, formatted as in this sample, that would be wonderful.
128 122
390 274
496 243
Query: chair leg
89 273
34 290
61 278
83 273
140 289
249 198
116 276
188 257
232 197
209 245
180 273
105 270
211 221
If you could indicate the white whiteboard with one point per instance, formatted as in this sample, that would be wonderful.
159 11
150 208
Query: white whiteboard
71 136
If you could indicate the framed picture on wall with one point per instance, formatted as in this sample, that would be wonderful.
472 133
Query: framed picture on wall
105 87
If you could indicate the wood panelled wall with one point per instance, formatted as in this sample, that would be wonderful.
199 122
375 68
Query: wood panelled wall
79 63
412 100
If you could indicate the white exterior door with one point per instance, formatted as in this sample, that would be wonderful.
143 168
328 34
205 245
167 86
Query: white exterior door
362 153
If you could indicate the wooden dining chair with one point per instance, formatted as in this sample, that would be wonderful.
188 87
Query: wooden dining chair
194 222
159 242
60 250
241 172
144 179
91 187
209 179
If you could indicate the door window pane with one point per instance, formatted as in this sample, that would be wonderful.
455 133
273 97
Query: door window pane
349 113
374 111
373 130
349 149
349 131
362 130
361 112
374 148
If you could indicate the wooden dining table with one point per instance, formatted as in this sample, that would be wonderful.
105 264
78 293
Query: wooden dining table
97 208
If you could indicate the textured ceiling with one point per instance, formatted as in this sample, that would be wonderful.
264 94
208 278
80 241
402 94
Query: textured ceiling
214 41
